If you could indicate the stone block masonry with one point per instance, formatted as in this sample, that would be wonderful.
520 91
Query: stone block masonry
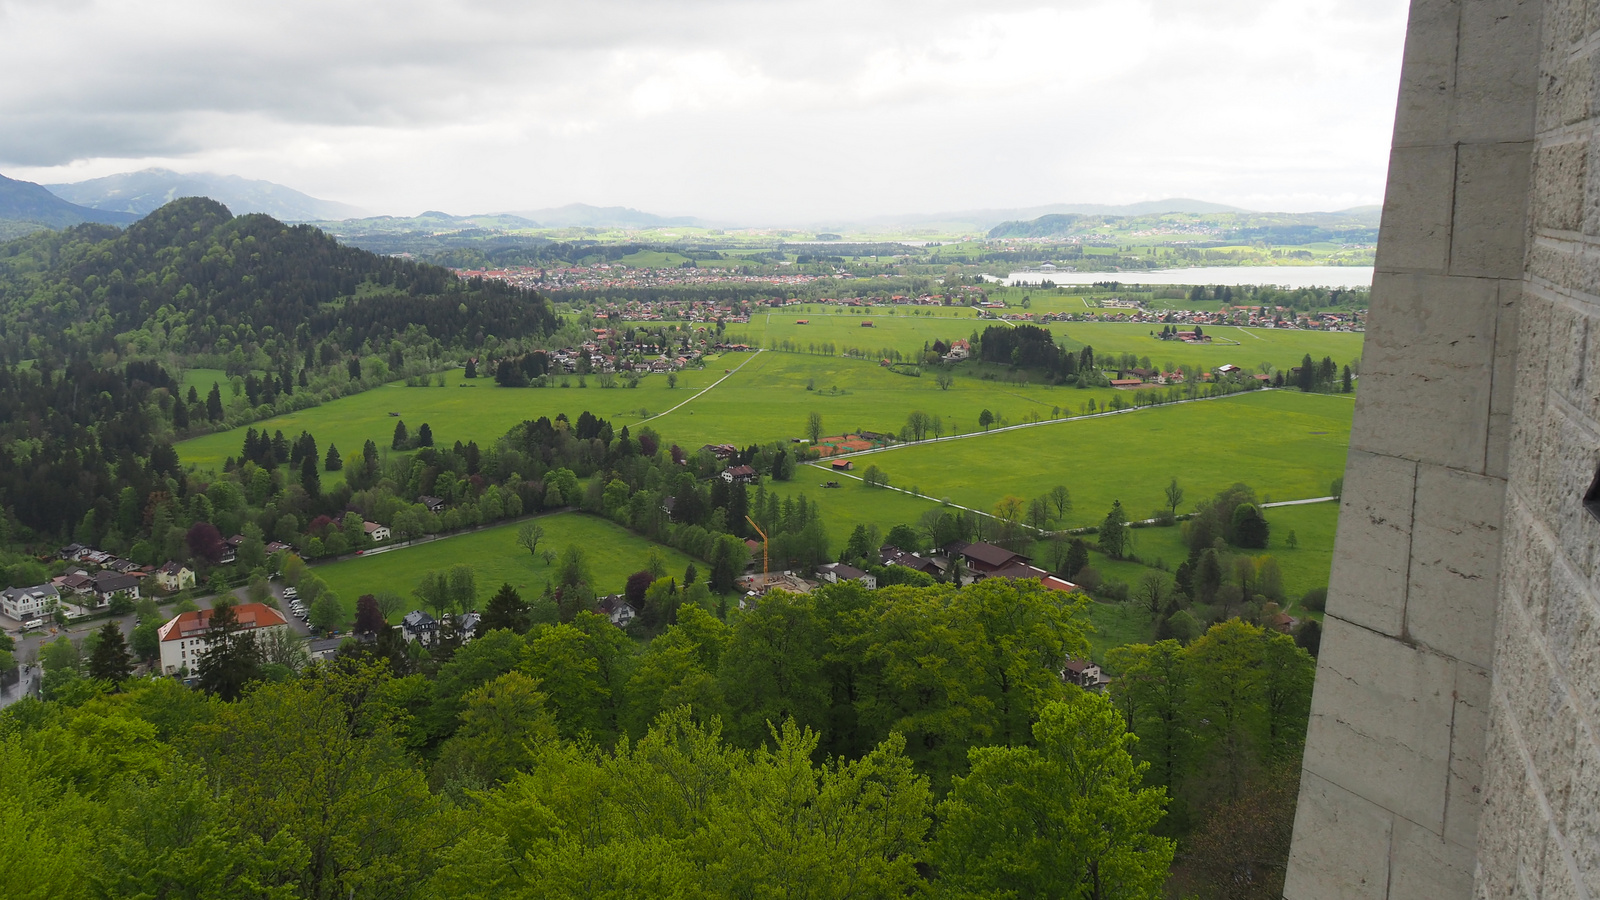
1454 744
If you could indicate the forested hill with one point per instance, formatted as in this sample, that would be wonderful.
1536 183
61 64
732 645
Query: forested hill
94 322
192 278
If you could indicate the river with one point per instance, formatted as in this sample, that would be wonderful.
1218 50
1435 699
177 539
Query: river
1277 276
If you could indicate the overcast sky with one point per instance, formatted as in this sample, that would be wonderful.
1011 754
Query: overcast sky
751 111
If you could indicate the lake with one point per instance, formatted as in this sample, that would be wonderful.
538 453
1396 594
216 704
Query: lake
1279 276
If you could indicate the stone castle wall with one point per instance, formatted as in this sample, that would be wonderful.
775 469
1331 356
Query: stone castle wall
1454 744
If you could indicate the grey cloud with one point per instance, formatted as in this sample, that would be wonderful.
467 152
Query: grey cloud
753 105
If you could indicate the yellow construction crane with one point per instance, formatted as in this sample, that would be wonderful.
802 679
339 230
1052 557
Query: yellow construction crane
763 549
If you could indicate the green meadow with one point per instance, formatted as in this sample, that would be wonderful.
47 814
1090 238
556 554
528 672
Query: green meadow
768 398
1286 445
913 328
905 328
202 380
1304 567
613 554
771 394
464 409
1246 347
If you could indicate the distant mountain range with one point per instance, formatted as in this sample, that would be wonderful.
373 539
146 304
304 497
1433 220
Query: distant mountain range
582 215
1355 225
432 222
121 199
142 192
26 203
985 219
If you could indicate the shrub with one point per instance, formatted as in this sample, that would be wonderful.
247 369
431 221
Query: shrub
1315 599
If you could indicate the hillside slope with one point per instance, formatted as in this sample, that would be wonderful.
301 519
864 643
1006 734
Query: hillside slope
143 192
190 277
24 201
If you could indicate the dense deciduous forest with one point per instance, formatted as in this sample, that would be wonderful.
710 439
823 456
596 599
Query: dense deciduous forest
846 743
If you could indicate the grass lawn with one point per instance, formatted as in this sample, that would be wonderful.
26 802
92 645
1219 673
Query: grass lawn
1116 624
465 409
1245 347
202 380
1304 567
1286 445
613 554
768 400
904 328
910 329
765 400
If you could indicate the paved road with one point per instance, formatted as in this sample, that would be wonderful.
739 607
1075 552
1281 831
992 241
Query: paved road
27 652
26 686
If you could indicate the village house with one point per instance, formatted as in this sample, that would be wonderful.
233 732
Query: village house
174 577
378 533
833 573
434 504
1084 674
985 559
1023 571
739 475
77 582
420 627
934 565
108 585
185 637
24 603
618 610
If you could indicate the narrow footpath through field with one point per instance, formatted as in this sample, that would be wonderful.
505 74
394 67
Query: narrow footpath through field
1042 531
1004 428
826 465
708 387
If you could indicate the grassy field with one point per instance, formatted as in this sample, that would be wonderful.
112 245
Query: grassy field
1114 625
1286 445
465 409
1246 347
202 380
1304 567
905 328
910 329
613 554
767 399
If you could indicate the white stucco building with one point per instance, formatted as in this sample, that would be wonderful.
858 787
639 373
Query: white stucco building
184 638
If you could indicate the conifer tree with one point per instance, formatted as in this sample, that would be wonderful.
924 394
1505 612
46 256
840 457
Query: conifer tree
506 610
214 403
309 479
231 658
110 660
